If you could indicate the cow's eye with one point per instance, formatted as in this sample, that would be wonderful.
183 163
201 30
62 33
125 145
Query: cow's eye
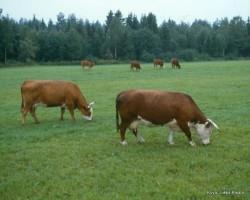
86 109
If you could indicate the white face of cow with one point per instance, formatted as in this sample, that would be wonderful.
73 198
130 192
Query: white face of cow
90 112
204 131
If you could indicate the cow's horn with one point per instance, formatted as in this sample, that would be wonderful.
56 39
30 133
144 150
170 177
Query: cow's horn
91 104
214 124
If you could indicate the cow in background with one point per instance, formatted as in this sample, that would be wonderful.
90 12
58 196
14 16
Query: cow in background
175 63
158 62
175 110
135 65
87 64
53 93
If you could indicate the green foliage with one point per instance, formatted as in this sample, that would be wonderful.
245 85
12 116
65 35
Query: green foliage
27 50
121 38
187 54
114 35
84 160
148 57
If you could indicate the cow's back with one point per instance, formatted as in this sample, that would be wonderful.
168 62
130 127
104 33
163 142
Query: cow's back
135 64
158 107
87 63
158 62
175 62
49 92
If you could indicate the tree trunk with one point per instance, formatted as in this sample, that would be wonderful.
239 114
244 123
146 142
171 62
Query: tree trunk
223 52
115 53
5 56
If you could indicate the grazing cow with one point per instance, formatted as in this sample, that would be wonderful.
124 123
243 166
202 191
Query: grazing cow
175 110
175 63
87 64
158 62
52 93
135 65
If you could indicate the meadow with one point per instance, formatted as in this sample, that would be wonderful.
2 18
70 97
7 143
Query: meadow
84 160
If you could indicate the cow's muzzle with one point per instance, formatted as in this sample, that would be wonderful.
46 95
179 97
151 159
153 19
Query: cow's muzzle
88 118
206 141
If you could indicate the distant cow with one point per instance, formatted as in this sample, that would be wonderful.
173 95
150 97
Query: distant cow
175 63
135 65
175 110
87 63
158 62
51 93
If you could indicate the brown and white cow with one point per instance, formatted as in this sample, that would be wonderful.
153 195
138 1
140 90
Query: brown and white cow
159 62
87 64
175 110
135 65
175 63
53 93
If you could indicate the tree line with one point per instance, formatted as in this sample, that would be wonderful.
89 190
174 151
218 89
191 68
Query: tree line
121 38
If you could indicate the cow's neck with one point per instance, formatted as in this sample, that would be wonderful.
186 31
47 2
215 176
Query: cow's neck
81 103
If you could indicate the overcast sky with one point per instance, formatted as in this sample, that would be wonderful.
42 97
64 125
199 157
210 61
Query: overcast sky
93 10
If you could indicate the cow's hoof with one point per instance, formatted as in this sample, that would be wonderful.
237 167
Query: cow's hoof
140 140
192 143
124 143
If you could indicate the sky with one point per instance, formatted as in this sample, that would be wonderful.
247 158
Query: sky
93 10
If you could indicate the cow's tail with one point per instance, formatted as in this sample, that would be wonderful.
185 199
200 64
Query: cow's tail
22 103
117 115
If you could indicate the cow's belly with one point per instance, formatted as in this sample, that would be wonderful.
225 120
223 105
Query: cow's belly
40 104
173 125
52 100
141 121
48 104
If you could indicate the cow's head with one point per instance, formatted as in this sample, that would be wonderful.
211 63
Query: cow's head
88 111
205 130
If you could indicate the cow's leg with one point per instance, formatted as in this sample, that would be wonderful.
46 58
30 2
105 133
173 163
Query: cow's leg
62 112
33 114
71 111
123 128
140 139
70 106
171 137
184 127
24 111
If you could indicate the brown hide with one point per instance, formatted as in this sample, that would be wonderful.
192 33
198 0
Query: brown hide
52 93
158 62
175 63
87 63
135 65
157 107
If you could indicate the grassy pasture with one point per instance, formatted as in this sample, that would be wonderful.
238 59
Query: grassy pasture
84 160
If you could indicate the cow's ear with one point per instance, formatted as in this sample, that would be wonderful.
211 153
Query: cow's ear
91 104
214 124
208 124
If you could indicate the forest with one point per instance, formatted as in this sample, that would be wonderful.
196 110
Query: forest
121 38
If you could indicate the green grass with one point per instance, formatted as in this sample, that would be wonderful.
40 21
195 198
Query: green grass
84 160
